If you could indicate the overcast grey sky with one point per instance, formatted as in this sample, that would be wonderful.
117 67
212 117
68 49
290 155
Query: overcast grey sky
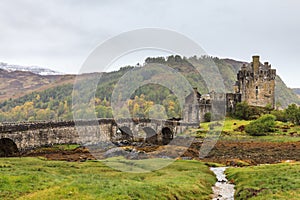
60 34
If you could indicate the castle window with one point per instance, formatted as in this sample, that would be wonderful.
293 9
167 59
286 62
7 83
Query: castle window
256 91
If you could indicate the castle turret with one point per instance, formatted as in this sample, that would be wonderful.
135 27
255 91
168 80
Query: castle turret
255 64
266 64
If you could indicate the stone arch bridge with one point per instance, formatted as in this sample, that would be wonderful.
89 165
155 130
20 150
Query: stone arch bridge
19 137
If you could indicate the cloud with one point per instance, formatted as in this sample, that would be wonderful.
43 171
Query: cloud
61 34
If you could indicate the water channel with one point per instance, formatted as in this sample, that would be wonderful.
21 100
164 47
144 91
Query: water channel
223 190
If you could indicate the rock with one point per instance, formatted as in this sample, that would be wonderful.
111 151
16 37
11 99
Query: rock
117 151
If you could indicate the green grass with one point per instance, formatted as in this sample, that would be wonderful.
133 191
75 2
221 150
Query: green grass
34 178
229 124
230 132
277 181
66 147
55 148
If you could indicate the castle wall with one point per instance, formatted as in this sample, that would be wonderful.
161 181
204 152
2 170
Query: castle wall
231 100
260 93
203 109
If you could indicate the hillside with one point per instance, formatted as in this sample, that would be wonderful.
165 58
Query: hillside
296 91
36 97
15 84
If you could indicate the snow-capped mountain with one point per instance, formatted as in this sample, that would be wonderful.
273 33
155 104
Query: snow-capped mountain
34 69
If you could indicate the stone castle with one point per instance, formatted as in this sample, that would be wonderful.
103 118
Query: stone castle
255 85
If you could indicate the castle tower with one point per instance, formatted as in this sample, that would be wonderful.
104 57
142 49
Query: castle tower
191 107
256 83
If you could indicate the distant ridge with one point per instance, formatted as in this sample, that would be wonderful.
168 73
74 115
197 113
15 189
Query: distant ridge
34 69
296 90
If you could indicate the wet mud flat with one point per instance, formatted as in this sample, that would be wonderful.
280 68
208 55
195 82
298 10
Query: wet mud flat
224 152
253 153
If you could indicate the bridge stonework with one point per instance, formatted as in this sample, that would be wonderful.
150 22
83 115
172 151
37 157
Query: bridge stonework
28 135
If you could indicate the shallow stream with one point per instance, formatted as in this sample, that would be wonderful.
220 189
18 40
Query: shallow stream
223 190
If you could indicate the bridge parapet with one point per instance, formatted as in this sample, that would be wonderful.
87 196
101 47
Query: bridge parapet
27 135
25 126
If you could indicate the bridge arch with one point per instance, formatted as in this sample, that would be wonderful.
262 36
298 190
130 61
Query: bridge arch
8 147
167 135
125 133
151 135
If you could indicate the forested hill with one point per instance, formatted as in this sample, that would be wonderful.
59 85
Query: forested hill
53 101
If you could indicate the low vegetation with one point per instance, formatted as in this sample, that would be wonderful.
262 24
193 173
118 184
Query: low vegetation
277 181
262 126
207 117
246 112
36 178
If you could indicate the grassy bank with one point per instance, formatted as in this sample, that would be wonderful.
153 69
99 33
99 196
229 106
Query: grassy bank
233 130
36 178
277 181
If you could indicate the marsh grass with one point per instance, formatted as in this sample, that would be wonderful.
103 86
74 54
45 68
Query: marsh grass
276 181
34 178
